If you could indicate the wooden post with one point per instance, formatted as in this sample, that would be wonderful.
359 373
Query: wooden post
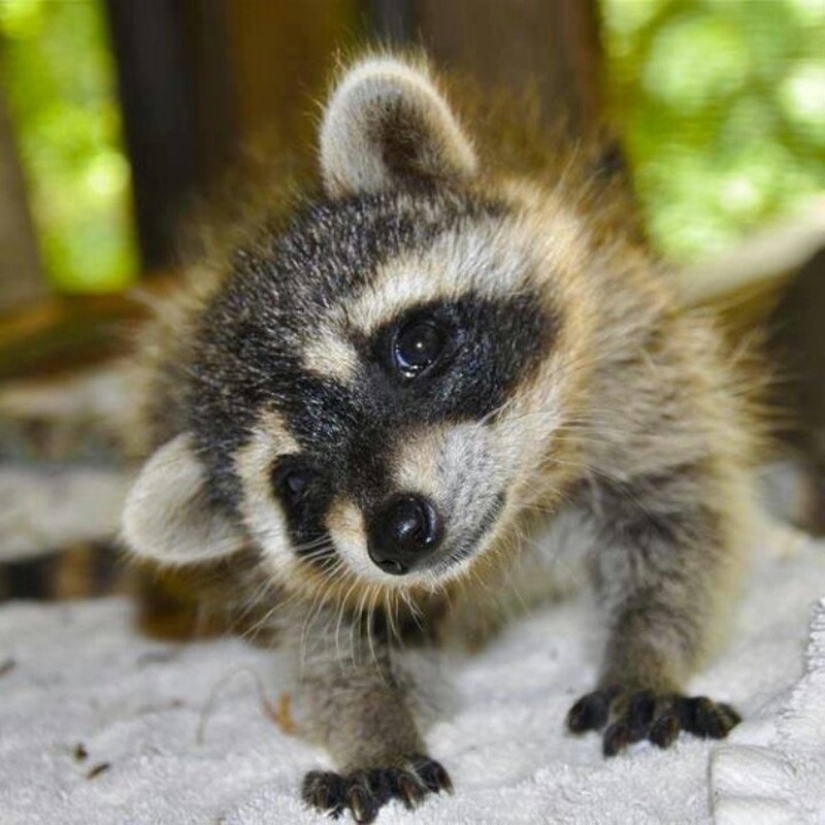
554 45
156 85
21 278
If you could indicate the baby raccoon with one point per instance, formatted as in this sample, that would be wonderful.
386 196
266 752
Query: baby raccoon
407 391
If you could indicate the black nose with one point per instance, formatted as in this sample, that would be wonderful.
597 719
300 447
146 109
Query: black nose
405 530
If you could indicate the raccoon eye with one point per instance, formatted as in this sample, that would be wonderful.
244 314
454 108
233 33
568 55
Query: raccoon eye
418 346
292 480
295 483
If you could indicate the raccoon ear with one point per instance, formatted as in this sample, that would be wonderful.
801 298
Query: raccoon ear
168 516
386 125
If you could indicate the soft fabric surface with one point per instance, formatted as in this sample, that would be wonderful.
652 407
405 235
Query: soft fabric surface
99 725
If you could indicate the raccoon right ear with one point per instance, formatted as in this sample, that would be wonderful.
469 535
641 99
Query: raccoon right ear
387 124
168 516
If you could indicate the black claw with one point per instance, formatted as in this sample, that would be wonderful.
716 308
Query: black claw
409 790
432 774
361 802
665 730
701 718
590 712
641 709
616 738
685 711
325 791
732 718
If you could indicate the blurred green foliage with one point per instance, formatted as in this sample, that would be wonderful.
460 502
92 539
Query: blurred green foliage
723 107
59 76
722 102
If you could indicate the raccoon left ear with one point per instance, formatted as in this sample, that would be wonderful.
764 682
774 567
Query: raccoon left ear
387 125
168 516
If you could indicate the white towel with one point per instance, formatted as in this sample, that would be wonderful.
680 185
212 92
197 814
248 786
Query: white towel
100 726
776 771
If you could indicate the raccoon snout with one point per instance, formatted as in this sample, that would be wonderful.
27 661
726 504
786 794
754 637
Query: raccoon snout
405 531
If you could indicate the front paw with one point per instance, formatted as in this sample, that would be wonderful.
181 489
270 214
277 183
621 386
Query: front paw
364 792
629 717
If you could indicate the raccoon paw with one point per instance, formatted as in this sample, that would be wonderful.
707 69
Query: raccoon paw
364 792
629 717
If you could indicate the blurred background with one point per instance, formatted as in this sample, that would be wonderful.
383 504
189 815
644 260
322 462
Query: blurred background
117 116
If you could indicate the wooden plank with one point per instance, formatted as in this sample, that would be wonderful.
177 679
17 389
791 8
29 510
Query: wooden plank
63 333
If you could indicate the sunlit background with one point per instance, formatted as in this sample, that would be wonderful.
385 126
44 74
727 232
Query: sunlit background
59 76
722 106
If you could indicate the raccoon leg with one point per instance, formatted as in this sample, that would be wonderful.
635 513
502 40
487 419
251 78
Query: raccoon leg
662 574
359 702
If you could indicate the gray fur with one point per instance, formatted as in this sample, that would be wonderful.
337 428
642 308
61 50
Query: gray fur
574 389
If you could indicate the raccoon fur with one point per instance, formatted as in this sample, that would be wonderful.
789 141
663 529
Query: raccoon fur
396 400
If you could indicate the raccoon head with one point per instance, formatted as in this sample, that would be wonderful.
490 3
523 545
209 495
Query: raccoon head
376 394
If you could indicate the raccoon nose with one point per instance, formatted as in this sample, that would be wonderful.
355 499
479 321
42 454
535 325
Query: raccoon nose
404 531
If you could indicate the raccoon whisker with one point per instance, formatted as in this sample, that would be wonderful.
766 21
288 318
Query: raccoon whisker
320 542
562 372
568 423
334 627
366 609
254 629
521 541
362 620
577 465
405 609
578 435
562 183
394 605
576 574
342 606
435 584
321 554
592 419
392 620
316 607
581 432
415 611
263 592
533 505
379 597
474 573
527 543
538 508
251 632
355 622
374 592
